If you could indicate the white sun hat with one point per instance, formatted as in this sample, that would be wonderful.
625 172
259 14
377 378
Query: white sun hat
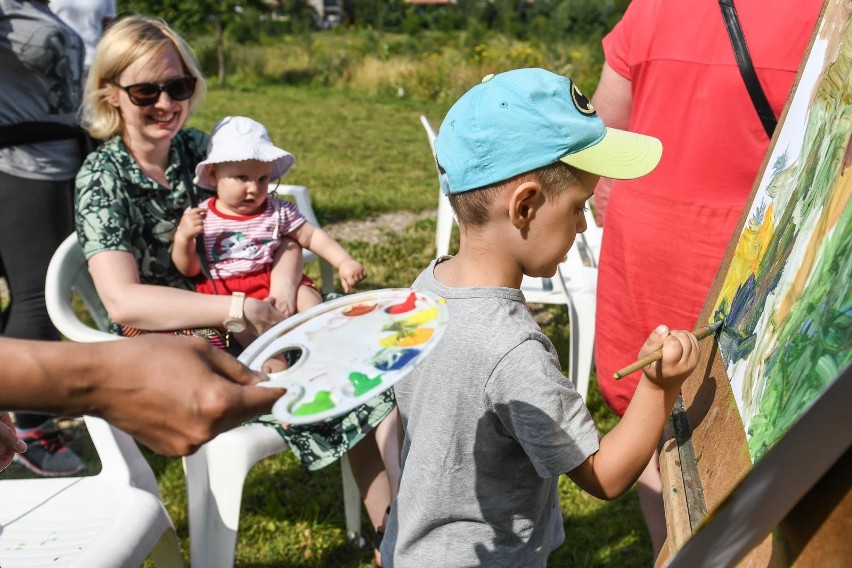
238 138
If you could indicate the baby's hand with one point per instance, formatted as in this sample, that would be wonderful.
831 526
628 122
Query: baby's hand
284 302
680 356
351 272
191 224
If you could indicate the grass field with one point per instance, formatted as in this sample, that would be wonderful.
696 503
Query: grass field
362 156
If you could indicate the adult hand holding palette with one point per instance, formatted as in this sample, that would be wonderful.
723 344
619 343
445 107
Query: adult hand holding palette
351 349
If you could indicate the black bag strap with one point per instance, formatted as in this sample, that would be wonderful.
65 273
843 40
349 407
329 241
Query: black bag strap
34 132
755 91
193 203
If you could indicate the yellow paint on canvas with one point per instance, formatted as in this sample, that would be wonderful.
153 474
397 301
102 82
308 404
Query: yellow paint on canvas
751 249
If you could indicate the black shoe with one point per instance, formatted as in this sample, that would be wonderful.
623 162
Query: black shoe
47 454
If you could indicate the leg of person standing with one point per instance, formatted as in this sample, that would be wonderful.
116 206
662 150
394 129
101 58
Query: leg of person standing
34 220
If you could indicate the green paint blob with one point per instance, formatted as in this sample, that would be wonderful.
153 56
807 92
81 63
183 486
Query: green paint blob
320 403
363 383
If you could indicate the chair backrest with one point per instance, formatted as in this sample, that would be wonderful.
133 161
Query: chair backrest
67 273
446 217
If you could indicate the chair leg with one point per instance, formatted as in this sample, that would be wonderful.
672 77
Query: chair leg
197 497
351 503
582 313
166 553
215 513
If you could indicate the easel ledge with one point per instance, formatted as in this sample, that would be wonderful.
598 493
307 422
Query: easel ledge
793 507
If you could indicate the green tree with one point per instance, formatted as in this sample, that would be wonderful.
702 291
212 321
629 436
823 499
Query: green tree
198 15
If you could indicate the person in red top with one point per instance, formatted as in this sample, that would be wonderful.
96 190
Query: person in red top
670 72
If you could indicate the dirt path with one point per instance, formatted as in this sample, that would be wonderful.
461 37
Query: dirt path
371 230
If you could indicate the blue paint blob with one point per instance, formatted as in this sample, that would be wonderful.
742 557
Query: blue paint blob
394 359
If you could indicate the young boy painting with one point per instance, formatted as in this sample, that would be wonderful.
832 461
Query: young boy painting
490 420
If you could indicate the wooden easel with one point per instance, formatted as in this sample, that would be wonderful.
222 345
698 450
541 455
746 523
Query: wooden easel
707 473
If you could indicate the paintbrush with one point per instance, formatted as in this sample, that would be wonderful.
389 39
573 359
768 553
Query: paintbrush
699 334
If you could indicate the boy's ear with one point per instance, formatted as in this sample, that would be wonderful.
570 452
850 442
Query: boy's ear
211 173
524 202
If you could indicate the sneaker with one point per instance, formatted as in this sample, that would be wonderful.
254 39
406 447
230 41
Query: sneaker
47 454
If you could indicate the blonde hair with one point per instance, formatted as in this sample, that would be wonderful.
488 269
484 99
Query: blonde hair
124 43
473 207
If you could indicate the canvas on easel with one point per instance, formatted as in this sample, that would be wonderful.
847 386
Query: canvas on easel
784 293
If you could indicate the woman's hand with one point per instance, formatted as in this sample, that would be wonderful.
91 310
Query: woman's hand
284 299
261 315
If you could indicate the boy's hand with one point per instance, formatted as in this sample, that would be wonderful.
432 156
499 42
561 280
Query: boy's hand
680 356
191 224
351 272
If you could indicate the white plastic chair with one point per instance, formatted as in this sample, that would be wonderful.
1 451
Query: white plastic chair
110 520
574 285
113 519
216 473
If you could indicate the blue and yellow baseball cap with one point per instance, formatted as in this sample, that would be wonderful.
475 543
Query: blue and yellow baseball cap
524 119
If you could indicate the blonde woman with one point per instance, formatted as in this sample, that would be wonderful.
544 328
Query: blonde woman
143 85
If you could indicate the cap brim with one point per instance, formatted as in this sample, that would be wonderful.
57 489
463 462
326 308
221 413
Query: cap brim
618 155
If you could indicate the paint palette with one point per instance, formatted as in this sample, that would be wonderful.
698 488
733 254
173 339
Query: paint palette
349 350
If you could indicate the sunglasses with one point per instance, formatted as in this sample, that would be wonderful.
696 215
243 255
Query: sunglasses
144 94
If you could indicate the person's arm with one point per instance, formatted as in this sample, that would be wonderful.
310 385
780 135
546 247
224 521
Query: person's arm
285 276
613 101
321 243
171 393
625 450
145 306
184 253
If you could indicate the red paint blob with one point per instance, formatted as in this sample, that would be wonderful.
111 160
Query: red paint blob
359 310
406 306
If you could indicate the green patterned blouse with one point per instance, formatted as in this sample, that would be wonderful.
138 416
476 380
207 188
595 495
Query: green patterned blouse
117 207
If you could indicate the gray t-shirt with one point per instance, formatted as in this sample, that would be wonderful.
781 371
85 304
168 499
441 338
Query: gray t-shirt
490 424
41 69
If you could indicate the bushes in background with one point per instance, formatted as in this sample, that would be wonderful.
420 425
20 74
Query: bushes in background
392 48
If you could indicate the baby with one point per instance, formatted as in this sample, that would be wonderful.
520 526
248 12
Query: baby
247 233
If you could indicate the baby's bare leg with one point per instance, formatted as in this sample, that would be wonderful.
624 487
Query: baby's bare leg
307 297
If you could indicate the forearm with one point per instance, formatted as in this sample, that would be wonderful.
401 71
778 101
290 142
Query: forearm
185 258
53 377
321 243
613 99
625 450
287 266
153 307
173 417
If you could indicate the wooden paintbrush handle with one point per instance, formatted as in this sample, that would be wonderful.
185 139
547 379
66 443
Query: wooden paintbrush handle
699 334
